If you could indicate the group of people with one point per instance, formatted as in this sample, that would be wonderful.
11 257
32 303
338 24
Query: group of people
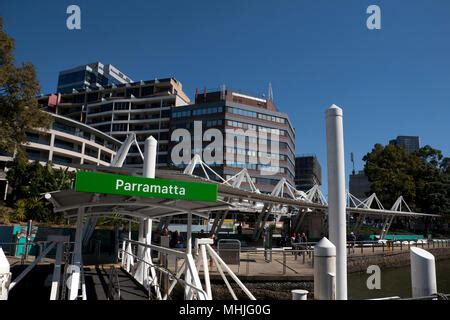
293 240
298 238
176 240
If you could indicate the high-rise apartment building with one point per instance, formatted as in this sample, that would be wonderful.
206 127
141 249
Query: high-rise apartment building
90 76
232 111
409 143
143 108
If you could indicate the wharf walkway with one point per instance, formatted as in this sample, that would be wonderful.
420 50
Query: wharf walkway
98 286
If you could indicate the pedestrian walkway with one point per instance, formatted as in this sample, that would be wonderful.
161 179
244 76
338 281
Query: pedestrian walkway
97 281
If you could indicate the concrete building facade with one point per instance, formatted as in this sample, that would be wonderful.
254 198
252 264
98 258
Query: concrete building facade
66 143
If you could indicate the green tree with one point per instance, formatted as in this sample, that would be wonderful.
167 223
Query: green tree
28 182
19 111
391 173
422 178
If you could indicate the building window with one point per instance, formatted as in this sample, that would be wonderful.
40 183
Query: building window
121 106
119 127
92 152
63 128
61 160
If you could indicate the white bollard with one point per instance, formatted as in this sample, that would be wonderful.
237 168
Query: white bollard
150 157
145 225
423 273
324 270
337 196
299 294
5 276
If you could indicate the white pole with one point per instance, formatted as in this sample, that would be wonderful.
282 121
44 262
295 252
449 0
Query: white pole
57 271
423 273
189 234
149 172
129 230
324 270
206 271
5 276
74 278
150 157
336 196
188 277
145 228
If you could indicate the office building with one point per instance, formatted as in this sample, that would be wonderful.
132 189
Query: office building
237 114
410 143
143 108
91 76
307 172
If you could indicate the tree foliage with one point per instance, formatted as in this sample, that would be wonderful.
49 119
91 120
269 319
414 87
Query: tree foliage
29 181
422 178
19 111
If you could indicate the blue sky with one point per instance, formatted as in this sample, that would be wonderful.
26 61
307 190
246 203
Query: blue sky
393 81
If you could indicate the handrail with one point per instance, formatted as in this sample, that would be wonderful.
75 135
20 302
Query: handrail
166 271
438 296
165 250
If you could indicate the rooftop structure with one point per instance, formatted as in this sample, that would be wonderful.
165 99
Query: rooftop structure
90 76
409 143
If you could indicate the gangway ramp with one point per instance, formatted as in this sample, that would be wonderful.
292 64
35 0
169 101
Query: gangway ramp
99 286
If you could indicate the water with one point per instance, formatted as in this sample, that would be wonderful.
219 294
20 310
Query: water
395 282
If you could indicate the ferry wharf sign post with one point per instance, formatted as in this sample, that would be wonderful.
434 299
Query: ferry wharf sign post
144 187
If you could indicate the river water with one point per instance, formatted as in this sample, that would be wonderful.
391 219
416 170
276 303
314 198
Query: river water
395 282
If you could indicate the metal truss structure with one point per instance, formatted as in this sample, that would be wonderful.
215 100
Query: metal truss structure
312 201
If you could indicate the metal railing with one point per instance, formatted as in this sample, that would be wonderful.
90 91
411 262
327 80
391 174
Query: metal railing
362 247
280 261
173 276
31 249
436 296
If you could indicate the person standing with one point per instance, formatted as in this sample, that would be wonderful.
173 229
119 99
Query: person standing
352 241
304 239
239 228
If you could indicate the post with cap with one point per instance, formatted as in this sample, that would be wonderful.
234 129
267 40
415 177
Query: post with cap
324 270
423 273
336 196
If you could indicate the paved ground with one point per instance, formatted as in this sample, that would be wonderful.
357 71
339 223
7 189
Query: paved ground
254 266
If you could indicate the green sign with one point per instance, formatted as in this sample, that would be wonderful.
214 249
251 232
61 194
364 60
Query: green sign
144 187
